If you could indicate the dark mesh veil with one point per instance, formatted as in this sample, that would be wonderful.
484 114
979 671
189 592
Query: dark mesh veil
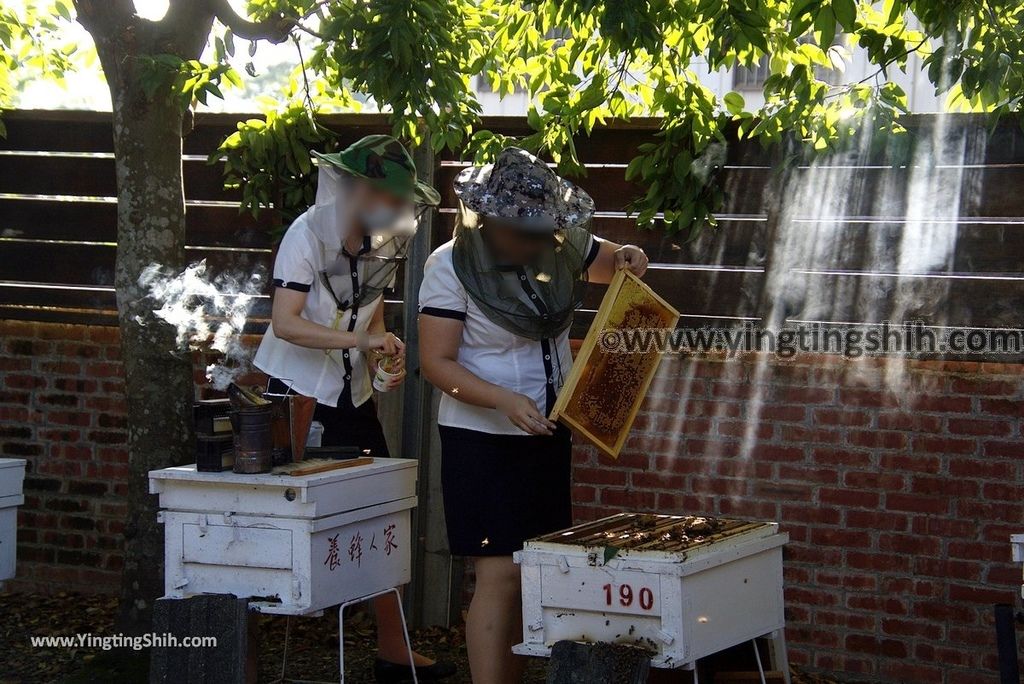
557 279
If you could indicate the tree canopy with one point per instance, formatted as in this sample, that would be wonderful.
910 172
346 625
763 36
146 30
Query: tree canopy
582 62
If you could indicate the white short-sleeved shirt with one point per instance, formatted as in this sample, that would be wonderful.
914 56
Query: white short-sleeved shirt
534 368
307 261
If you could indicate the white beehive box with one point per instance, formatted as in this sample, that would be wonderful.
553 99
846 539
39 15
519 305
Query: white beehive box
12 477
682 604
300 544
1017 546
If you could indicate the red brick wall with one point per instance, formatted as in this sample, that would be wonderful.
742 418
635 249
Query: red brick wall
899 496
62 408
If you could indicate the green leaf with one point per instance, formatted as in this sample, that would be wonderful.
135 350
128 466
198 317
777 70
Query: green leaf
610 552
846 14
734 102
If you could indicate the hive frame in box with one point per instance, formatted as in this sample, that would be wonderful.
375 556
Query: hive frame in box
576 382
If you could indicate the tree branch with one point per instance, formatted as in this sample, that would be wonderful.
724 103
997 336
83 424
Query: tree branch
274 30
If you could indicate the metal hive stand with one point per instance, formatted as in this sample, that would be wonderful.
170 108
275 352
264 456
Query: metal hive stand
341 638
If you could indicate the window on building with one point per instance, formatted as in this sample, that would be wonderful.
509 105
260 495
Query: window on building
753 77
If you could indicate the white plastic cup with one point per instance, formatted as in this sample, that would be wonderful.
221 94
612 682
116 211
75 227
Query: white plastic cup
382 380
316 434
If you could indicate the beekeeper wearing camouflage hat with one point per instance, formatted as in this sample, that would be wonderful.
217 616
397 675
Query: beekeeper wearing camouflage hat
327 338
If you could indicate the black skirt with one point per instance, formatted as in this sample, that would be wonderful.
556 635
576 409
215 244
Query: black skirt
500 490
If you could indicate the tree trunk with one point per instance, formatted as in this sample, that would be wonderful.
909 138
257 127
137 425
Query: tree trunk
150 230
158 379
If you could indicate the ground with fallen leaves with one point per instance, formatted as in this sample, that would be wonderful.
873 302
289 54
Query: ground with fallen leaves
312 651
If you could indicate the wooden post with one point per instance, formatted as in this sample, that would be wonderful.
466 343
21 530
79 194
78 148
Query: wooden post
220 616
436 577
576 663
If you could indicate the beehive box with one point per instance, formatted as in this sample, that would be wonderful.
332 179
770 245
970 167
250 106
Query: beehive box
681 586
12 477
1017 550
296 545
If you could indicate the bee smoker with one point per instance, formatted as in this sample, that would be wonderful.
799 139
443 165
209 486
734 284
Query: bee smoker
250 422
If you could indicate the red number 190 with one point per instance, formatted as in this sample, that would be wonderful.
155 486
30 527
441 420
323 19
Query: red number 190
646 596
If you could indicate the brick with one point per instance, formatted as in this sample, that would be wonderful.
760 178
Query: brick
103 369
909 422
914 544
79 418
888 481
86 488
1001 449
783 413
867 398
803 395
74 385
628 499
27 347
657 480
877 520
842 417
66 400
107 437
876 439
981 468
24 382
911 628
739 428
946 569
801 434
841 457
600 476
811 514
20 449
1002 407
900 462
60 368
915 503
827 536
849 497
942 403
980 427
944 486
983 387
772 452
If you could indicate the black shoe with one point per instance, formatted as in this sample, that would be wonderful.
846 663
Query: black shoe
396 673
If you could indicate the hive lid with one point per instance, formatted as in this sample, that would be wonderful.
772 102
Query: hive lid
12 463
189 472
315 495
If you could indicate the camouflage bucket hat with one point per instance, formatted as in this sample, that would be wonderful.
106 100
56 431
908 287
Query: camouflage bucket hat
521 188
384 162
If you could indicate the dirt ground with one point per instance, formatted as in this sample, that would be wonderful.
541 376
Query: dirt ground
312 652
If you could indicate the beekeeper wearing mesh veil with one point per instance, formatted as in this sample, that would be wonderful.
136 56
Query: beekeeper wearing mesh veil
496 304
327 334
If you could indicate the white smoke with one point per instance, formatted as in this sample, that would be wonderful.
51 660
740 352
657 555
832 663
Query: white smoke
207 313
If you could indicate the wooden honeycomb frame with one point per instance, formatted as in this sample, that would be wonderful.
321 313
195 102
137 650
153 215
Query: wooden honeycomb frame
603 391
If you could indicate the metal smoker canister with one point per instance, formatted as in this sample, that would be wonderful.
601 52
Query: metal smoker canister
254 444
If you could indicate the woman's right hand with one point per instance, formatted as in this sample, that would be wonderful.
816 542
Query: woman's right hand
386 343
524 414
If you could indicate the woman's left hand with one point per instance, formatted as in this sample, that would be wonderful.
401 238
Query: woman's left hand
395 365
633 258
